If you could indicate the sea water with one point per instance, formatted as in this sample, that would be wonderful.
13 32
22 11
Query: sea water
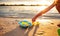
27 11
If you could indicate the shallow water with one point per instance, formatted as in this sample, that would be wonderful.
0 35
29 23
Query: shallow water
27 11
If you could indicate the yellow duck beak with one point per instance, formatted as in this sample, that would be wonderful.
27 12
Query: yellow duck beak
35 23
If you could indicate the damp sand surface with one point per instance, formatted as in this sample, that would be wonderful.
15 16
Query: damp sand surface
10 27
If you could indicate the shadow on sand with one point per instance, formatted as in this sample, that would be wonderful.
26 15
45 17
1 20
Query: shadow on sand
21 32
34 31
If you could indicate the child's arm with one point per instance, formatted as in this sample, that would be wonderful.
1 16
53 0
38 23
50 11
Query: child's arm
44 11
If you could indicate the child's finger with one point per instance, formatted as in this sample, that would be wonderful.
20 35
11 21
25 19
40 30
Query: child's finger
33 19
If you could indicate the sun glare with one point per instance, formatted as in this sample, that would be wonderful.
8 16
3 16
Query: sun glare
42 2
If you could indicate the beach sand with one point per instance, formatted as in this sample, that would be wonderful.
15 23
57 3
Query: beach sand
10 27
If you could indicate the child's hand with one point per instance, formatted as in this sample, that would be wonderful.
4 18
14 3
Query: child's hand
33 19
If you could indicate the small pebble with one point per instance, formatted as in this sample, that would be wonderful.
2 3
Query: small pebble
41 33
1 27
52 23
17 20
13 23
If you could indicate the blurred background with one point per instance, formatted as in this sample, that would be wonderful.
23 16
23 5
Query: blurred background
27 8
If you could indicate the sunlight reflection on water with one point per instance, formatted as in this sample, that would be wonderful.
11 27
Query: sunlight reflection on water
26 11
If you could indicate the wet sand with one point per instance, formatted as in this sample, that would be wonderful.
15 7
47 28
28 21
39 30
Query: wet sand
10 27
